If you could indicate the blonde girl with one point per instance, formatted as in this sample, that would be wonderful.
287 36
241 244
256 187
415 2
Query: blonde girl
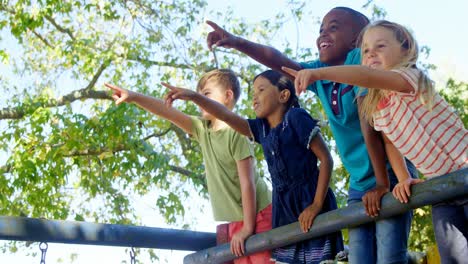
417 123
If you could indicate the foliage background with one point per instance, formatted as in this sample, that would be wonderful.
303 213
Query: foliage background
67 152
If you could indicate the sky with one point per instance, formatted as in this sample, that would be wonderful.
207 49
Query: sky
444 32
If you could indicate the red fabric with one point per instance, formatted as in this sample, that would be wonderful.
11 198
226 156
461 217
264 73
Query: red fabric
262 224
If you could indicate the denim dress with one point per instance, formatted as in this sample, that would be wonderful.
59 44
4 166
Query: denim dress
294 174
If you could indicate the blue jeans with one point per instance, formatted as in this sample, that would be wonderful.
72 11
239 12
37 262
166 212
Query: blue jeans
450 220
384 241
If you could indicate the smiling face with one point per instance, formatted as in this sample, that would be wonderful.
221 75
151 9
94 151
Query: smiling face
337 37
266 98
380 49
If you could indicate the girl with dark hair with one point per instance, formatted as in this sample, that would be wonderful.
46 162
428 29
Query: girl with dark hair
292 145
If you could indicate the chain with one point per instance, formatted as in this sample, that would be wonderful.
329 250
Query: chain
213 49
132 256
43 247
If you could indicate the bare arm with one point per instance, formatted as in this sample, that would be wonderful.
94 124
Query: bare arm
319 148
245 168
352 74
376 150
216 109
396 160
266 55
403 189
153 105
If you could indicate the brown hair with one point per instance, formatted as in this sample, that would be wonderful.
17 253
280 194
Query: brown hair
281 82
225 77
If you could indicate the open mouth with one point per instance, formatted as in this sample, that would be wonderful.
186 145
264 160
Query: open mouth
325 45
374 65
255 105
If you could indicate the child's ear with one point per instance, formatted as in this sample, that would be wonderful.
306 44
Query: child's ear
284 96
229 96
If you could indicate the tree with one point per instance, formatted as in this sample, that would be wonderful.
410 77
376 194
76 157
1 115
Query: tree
66 146
67 151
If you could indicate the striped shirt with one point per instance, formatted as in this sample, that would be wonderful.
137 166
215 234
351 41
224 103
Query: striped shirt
435 141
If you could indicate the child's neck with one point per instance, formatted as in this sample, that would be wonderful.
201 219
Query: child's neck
216 124
275 118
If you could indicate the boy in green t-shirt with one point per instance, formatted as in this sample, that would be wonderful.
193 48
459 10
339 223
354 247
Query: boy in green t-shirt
238 195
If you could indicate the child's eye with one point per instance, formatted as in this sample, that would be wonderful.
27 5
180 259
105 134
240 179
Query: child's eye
381 46
366 51
207 93
333 28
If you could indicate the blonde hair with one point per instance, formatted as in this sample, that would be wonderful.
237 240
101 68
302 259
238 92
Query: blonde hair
225 77
409 60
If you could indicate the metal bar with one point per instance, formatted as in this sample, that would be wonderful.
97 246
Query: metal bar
432 191
72 232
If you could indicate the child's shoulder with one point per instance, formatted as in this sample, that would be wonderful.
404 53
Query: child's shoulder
353 57
297 111
297 114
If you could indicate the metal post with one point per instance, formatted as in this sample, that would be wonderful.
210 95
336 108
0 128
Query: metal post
438 189
72 232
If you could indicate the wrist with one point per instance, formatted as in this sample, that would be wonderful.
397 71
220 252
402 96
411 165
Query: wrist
383 188
237 42
248 230
132 96
195 97
317 205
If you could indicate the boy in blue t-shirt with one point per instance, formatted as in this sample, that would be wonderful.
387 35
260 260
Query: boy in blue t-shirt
385 240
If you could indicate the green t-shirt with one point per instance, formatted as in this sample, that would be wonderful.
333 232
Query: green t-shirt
221 150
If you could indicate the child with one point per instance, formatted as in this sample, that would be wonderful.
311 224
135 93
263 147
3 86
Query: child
360 147
237 193
292 144
416 122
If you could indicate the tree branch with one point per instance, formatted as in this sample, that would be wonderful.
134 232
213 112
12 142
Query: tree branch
44 40
19 112
96 76
160 63
95 152
85 93
60 28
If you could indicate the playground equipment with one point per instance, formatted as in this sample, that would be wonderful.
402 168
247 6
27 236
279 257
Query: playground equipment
433 191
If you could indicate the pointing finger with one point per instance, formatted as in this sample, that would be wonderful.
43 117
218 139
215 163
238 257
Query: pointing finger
168 86
113 87
214 25
289 71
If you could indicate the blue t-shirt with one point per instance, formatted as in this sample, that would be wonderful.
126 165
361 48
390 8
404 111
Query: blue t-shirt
341 108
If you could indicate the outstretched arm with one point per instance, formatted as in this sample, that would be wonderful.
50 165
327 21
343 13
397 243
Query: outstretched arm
266 55
245 168
216 109
319 148
153 105
351 74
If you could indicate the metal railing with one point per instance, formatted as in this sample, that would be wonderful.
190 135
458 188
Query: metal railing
432 191
74 232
